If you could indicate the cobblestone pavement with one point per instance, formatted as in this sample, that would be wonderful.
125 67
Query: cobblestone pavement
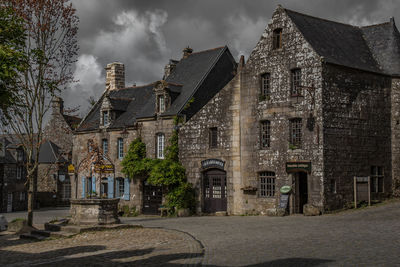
127 247
367 237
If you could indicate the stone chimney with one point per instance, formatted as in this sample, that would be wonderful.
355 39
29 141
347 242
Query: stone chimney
58 105
187 52
115 76
169 68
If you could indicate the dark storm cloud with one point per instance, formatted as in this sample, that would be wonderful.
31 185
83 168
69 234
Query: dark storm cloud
145 34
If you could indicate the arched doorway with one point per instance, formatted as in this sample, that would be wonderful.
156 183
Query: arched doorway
214 191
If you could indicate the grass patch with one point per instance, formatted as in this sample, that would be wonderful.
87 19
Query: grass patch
17 220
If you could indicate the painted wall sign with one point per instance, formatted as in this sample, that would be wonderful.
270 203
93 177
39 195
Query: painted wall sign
106 168
212 163
298 166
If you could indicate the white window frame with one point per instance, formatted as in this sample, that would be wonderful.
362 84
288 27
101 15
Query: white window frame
106 118
121 187
160 145
120 148
161 103
105 146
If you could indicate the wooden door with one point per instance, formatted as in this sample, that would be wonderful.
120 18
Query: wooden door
214 191
152 198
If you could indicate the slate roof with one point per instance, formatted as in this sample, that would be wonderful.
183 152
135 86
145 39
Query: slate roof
338 43
50 153
183 82
72 121
384 42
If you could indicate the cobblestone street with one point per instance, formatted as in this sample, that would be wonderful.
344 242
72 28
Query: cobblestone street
365 237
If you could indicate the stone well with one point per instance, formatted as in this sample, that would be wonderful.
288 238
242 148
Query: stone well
94 211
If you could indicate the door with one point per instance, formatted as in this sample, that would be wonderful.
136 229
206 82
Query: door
9 202
301 191
152 198
214 191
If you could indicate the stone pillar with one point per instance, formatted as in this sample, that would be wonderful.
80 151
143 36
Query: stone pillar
115 76
57 105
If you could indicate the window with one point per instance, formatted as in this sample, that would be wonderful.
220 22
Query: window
120 148
161 103
22 196
295 126
277 39
332 186
121 187
89 145
265 134
105 146
295 89
19 172
160 145
267 184
106 120
377 179
213 137
265 84
20 155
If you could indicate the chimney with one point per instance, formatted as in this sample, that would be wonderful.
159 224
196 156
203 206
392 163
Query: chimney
115 76
58 105
169 68
187 52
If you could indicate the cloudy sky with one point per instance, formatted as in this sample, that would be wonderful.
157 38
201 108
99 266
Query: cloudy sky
145 34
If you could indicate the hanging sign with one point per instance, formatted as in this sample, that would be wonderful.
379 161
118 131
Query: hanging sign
71 168
104 168
61 177
298 166
212 163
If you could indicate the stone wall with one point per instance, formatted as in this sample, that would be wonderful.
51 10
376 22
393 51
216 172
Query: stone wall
356 107
395 103
15 186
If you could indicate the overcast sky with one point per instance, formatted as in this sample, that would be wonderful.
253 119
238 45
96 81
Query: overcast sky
145 34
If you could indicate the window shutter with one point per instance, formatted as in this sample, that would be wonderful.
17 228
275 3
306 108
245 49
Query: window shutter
126 189
94 184
117 188
83 187
110 187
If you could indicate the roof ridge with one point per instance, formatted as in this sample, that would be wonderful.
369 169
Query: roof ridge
208 50
176 84
327 20
132 87
376 25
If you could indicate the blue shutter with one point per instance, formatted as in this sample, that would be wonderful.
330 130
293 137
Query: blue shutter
83 187
110 187
94 184
126 189
117 187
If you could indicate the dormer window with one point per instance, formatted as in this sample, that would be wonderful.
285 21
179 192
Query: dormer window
277 39
161 103
106 117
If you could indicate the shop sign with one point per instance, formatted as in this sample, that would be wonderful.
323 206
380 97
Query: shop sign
71 168
212 163
298 166
104 168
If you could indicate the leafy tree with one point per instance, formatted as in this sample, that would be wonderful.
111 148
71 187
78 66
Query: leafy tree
50 48
12 58
135 164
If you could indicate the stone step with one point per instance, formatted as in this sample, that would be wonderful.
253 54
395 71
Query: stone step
41 232
70 229
61 234
32 237
52 227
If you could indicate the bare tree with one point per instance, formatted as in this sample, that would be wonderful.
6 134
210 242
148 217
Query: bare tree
51 47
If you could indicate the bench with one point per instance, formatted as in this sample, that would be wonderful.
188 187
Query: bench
163 211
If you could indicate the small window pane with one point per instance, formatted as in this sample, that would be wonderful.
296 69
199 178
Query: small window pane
265 84
265 134
267 184
295 126
105 146
120 148
277 39
296 83
213 137
160 146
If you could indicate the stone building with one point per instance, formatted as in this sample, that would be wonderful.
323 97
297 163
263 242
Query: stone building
53 183
13 194
125 113
316 103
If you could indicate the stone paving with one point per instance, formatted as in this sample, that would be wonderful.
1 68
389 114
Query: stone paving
367 237
127 247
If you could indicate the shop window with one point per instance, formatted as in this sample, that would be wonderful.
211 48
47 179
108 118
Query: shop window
295 88
377 178
277 39
213 137
265 134
295 126
265 85
160 145
120 148
266 184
